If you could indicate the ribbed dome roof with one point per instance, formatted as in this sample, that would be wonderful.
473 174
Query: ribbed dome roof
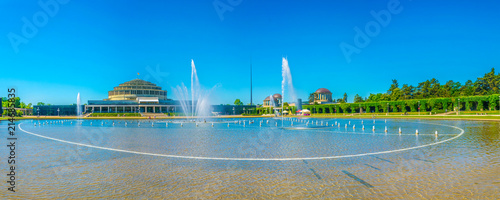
130 90
275 96
137 82
323 90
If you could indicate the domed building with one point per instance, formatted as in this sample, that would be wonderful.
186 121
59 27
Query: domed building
277 98
135 96
130 90
322 96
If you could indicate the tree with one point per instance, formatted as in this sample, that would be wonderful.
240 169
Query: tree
450 89
238 102
488 84
384 97
396 94
312 96
467 89
345 98
434 88
374 97
394 85
17 102
407 91
358 99
4 102
40 104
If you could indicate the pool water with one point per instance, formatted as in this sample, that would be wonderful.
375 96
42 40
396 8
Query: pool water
269 158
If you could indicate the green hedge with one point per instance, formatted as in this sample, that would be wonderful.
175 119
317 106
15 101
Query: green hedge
435 105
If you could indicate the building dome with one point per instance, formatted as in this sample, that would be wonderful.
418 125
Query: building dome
277 96
267 98
130 90
323 90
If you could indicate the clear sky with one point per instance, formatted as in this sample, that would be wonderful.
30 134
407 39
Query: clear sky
50 53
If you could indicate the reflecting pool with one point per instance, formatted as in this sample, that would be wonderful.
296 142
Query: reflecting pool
263 158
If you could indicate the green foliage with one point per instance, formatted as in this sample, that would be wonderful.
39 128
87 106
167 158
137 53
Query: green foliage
19 113
358 99
238 102
487 85
493 101
17 102
344 107
312 96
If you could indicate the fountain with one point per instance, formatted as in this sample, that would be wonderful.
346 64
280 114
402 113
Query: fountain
272 105
286 81
78 107
200 104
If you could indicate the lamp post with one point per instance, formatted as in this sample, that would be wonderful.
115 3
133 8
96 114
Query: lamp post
38 111
244 110
387 108
58 112
458 106
234 111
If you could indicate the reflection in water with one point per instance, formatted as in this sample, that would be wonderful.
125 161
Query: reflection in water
467 167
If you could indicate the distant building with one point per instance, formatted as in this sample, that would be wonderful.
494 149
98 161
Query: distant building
322 96
276 101
55 110
135 96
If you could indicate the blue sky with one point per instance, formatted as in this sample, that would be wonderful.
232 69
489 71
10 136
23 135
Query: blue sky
92 46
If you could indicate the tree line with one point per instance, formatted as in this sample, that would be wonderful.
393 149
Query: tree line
486 85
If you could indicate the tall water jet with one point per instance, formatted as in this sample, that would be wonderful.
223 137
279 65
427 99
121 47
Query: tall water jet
200 104
287 81
195 86
78 107
272 105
